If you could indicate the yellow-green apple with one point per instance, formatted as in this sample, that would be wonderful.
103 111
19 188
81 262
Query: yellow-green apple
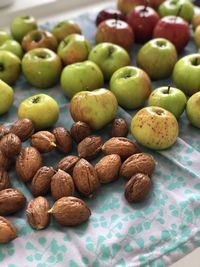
41 109
169 98
196 20
4 36
12 46
88 77
74 48
96 108
193 109
10 67
155 3
157 57
125 6
41 67
115 31
6 97
155 128
142 20
65 28
197 36
21 25
186 74
175 29
109 13
182 8
131 86
39 39
109 57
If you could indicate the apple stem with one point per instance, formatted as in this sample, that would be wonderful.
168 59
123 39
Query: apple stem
36 100
178 12
168 89
145 6
116 19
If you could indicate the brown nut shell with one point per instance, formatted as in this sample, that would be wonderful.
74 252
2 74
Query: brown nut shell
44 141
11 201
138 163
108 168
70 211
23 128
5 162
67 163
79 131
27 163
63 139
89 147
3 130
137 188
122 146
4 180
37 213
119 128
41 183
10 145
85 178
7 231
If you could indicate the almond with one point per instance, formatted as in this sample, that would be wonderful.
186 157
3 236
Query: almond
10 145
5 162
44 141
63 139
4 180
89 147
7 231
23 128
119 128
67 163
3 130
79 131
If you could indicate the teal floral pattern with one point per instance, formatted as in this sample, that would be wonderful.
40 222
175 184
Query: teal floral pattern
154 233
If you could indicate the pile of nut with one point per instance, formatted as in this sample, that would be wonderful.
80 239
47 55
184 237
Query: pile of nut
122 158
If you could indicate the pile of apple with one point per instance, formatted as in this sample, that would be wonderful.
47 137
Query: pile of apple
162 28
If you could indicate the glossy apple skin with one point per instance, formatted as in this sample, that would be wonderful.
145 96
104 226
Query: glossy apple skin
172 7
175 29
109 14
109 57
65 28
4 36
155 128
171 99
6 97
149 55
190 83
125 6
74 48
193 109
115 31
39 39
143 20
45 67
12 46
131 86
10 67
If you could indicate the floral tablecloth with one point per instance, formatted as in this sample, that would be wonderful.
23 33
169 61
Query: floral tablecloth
156 232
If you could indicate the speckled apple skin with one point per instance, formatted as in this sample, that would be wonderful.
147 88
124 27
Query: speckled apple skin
153 130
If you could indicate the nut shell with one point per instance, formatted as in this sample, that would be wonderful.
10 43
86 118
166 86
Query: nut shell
11 201
37 213
62 185
5 162
89 147
70 211
108 168
63 139
4 180
79 131
138 163
10 145
41 183
7 231
23 128
119 128
122 146
44 141
67 163
3 130
85 178
28 163
137 188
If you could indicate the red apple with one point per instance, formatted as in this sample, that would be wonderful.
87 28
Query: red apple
109 14
143 19
155 3
125 6
115 31
175 29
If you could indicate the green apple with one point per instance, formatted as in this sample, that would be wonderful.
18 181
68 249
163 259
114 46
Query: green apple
41 109
4 36
12 46
196 20
88 77
109 57
10 67
197 36
6 97
157 57
193 109
65 28
74 48
169 98
182 8
21 25
41 67
97 108
131 86
186 74
155 128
